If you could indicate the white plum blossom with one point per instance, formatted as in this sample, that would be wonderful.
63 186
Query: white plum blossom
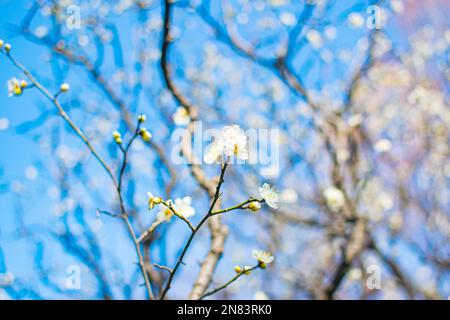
270 195
181 117
213 153
14 87
335 198
262 256
183 207
165 213
231 142
234 141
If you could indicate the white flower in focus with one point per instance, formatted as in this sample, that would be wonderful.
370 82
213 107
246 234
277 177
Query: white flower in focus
262 256
183 207
234 142
15 87
165 214
270 195
213 153
355 20
335 198
181 117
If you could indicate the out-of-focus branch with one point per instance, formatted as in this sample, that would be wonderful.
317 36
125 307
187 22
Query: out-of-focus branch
410 288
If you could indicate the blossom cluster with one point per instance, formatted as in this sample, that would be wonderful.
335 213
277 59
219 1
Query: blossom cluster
232 141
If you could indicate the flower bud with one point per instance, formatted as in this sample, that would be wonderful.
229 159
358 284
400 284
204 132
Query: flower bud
117 137
247 270
64 87
142 118
237 269
152 200
254 206
7 47
145 134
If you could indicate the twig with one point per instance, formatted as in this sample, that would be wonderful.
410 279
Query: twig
194 232
179 215
149 231
64 115
237 276
163 267
236 207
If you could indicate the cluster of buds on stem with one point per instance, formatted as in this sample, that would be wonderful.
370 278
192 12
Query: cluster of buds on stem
245 270
7 46
117 137
254 206
263 257
142 118
16 87
152 200
145 134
